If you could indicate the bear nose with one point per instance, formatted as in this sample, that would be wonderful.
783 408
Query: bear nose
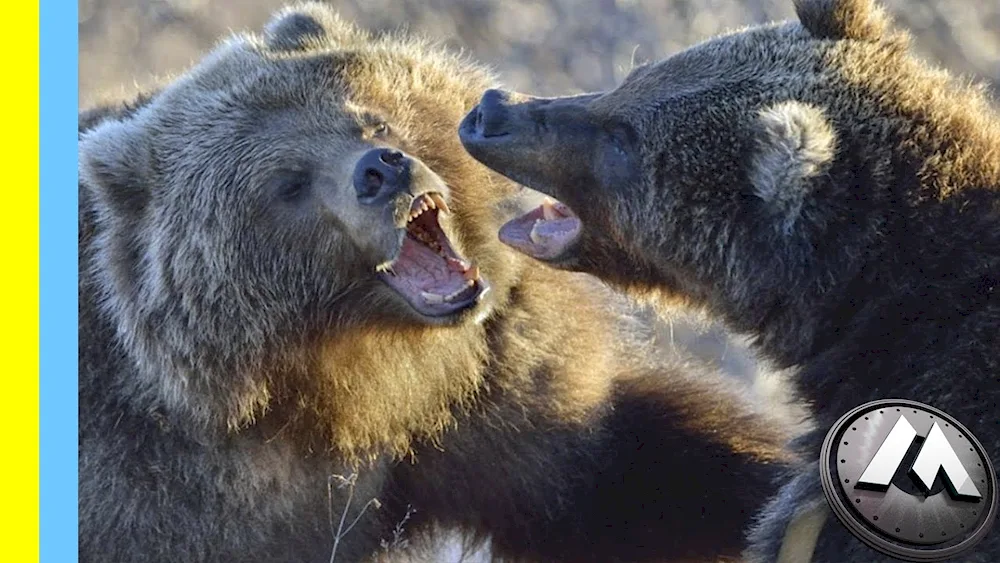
491 114
381 174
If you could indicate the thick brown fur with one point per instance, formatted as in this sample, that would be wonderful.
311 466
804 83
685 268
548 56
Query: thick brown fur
812 184
240 361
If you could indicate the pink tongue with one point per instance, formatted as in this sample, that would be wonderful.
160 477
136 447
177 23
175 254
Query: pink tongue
551 237
425 270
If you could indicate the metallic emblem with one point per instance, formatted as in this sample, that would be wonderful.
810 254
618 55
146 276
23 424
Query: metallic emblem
909 480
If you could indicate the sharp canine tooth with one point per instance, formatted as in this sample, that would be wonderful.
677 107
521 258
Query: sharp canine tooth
548 211
439 201
429 202
432 297
471 274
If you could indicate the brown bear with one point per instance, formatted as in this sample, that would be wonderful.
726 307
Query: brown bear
813 185
302 342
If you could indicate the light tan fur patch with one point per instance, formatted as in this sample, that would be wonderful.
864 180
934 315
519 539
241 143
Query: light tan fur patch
802 534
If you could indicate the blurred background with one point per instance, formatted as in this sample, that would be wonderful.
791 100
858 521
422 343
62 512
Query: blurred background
542 46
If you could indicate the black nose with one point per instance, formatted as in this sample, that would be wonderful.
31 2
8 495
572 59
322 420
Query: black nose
381 174
492 113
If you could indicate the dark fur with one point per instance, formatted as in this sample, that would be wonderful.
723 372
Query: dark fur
235 354
813 185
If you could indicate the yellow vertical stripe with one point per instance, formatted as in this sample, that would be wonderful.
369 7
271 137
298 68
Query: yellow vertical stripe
19 279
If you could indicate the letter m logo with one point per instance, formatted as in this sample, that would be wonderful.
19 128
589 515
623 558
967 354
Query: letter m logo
936 454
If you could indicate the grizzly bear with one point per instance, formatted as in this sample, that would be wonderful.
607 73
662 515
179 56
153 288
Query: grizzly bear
813 185
300 340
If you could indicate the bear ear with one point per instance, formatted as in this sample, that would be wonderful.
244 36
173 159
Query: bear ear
300 26
843 19
794 142
113 164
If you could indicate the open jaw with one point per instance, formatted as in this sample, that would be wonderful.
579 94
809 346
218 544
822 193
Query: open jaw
544 233
427 272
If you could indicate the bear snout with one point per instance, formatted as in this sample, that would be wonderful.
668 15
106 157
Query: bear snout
500 118
491 115
380 174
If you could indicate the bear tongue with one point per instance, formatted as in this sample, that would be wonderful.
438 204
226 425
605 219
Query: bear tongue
544 232
434 277
428 272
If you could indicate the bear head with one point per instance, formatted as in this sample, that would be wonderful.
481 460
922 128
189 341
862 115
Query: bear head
291 222
750 174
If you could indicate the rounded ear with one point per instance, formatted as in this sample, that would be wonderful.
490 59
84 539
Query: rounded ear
301 26
113 160
843 19
794 142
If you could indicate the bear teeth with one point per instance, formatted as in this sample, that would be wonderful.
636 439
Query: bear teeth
548 211
533 235
471 274
439 202
432 297
454 295
426 202
437 299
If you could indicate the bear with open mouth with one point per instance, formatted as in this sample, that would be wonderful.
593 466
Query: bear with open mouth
294 313
815 186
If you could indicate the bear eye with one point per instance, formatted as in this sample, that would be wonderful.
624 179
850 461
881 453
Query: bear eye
617 147
615 164
620 139
292 186
380 130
